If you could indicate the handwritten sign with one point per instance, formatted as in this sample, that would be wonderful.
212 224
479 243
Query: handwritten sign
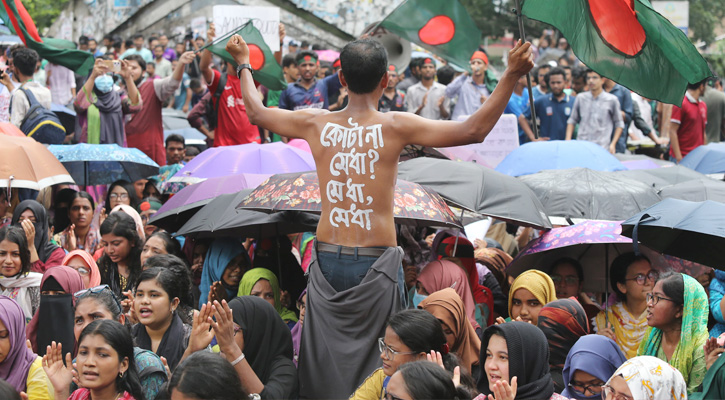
265 19
198 27
502 140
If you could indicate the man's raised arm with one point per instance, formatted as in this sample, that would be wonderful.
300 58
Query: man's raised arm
284 122
418 130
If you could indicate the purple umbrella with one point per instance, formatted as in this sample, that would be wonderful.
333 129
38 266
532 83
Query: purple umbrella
184 204
251 158
640 164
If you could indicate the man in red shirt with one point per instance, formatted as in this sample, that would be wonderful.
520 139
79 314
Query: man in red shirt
233 126
687 130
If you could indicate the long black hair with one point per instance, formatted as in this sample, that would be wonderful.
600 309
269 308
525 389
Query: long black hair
422 333
426 380
618 271
122 225
129 188
207 376
176 282
119 338
16 234
171 245
82 195
673 285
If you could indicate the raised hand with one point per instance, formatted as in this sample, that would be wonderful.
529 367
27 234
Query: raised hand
503 391
72 243
224 328
712 351
217 292
29 229
59 374
187 58
521 59
201 333
608 332
126 75
238 49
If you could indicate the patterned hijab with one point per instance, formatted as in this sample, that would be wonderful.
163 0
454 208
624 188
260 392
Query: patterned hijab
694 329
536 282
650 378
563 322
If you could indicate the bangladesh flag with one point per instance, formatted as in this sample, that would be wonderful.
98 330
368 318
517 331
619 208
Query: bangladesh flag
626 41
57 51
443 27
266 69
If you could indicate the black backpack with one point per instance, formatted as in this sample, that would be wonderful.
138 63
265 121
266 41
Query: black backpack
40 123
212 108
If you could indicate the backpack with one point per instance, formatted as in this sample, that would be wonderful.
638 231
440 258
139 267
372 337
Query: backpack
40 123
212 107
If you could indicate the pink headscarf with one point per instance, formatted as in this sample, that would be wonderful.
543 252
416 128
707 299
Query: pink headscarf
94 276
136 218
438 275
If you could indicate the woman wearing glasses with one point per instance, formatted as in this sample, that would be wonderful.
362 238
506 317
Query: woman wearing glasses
631 277
121 192
409 336
86 266
100 303
589 364
645 377
677 313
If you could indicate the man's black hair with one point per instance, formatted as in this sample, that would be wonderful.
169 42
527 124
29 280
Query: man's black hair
535 72
690 86
288 59
175 138
129 43
364 62
445 74
416 62
591 70
194 83
83 40
152 38
305 43
136 36
136 57
25 60
579 73
555 71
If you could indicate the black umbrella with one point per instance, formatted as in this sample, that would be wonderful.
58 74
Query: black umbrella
696 190
583 193
693 231
662 177
478 189
220 218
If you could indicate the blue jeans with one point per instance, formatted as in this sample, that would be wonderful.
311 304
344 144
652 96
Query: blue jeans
344 271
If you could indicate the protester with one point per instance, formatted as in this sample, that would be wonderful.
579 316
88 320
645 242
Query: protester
120 192
439 275
528 295
122 208
53 321
120 264
392 99
645 377
542 86
715 101
138 49
193 379
82 234
43 253
414 74
678 326
424 380
16 280
19 366
632 278
61 82
624 97
687 130
163 66
563 322
24 61
159 243
471 90
518 103
568 277
308 91
552 109
225 263
175 149
717 293
427 98
297 329
262 283
590 363
86 267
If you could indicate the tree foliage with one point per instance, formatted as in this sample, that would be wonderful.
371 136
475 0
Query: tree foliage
44 12
705 16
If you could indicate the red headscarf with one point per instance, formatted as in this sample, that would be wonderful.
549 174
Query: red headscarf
438 275
464 252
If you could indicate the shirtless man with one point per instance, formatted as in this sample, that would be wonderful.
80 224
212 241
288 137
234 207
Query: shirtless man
356 150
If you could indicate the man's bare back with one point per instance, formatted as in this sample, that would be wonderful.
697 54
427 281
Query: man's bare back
357 149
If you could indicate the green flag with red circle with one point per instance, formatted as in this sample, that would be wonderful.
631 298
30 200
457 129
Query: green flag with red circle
442 27
628 42
266 69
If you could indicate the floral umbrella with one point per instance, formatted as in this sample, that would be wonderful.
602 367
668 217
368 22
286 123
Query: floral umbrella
414 204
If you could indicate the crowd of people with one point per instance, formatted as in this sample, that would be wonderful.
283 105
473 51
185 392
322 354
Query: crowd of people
98 303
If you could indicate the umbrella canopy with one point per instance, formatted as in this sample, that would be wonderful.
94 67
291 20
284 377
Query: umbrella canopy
253 158
220 218
478 189
708 159
181 206
658 178
465 153
696 190
533 157
641 157
102 164
300 144
414 204
174 119
583 193
25 163
694 231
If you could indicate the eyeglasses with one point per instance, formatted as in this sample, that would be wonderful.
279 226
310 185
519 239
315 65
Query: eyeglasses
583 389
116 196
569 280
94 290
655 298
385 349
642 278
608 393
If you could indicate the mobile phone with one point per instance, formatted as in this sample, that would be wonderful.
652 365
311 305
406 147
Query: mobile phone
113 65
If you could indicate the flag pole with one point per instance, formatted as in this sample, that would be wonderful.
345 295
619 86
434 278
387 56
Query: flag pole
520 18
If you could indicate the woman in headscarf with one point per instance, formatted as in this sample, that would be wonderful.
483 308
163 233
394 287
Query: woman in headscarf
516 350
563 322
646 378
262 283
19 366
267 346
225 263
43 253
462 339
54 319
135 215
297 330
528 294
438 275
86 267
677 318
589 364
16 280
101 109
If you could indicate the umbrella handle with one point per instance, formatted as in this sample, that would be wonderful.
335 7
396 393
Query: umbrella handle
635 231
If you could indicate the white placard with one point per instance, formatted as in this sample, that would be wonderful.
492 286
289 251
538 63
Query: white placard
677 12
198 27
502 140
265 19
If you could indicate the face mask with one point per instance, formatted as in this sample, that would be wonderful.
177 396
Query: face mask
104 83
417 298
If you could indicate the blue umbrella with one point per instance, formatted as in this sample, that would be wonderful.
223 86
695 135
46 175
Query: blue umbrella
534 157
708 159
690 230
101 164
